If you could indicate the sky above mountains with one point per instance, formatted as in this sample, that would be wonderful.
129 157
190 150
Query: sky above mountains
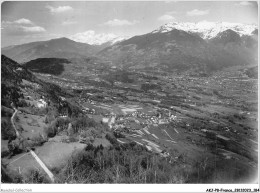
23 22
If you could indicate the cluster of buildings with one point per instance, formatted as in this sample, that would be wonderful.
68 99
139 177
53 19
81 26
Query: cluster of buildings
137 120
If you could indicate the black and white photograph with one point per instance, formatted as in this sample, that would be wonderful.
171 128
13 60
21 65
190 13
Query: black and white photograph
129 92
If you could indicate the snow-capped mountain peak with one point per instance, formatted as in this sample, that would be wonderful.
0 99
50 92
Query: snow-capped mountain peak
207 30
118 39
93 38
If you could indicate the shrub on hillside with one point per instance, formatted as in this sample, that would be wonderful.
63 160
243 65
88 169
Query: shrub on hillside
5 153
111 138
7 130
22 103
6 112
73 139
35 177
127 163
50 130
38 140
74 126
90 132
118 134
83 122
62 123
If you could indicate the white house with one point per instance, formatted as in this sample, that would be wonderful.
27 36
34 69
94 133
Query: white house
41 103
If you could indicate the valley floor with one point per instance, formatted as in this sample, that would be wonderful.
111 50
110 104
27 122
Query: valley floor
207 125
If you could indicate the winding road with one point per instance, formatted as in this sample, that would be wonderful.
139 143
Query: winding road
39 161
12 121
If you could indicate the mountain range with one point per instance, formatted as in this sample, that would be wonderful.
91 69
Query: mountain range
54 48
177 46
199 47
208 30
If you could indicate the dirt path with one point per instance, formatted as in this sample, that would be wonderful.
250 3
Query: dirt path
12 121
51 176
